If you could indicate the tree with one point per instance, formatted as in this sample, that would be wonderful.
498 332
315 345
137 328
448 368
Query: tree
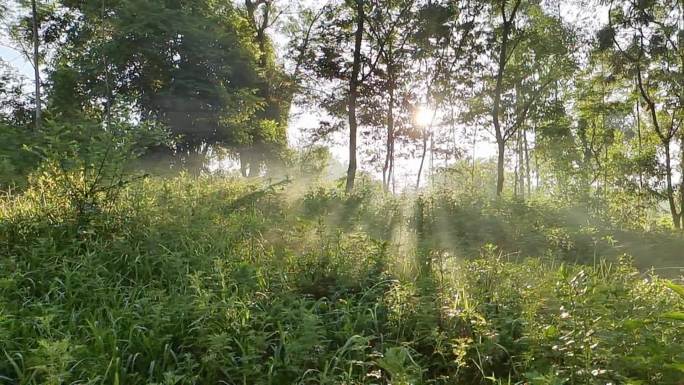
199 74
339 58
28 34
274 88
647 39
36 62
390 25
531 53
445 46
353 94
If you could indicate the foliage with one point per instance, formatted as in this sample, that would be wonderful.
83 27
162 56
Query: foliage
205 280
86 165
199 75
111 275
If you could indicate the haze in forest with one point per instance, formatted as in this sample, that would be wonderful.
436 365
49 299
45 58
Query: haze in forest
406 192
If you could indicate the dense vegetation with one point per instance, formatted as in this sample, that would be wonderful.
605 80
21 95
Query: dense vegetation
156 227
212 280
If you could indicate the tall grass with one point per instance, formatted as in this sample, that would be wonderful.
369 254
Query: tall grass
202 280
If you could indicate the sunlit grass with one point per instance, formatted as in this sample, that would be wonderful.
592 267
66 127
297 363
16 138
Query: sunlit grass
210 280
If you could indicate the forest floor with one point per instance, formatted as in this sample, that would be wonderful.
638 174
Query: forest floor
206 280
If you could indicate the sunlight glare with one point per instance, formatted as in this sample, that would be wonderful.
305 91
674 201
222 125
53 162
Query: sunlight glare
423 116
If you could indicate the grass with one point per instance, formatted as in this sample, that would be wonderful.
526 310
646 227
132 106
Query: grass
202 280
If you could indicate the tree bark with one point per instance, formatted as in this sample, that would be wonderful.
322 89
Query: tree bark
387 168
638 122
670 190
680 216
537 173
495 113
665 139
260 25
498 90
353 94
472 166
500 167
36 63
521 165
527 164
422 159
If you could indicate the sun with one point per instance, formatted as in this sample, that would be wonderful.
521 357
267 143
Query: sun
423 116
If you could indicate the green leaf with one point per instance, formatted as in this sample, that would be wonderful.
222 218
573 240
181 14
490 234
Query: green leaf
632 324
676 288
677 366
675 315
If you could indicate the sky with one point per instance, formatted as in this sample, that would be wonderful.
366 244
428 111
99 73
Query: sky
8 51
302 118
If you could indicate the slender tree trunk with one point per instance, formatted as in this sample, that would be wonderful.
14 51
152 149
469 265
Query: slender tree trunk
516 167
260 23
535 156
498 90
500 167
501 144
36 63
353 94
472 166
605 179
521 156
681 134
639 149
422 159
394 184
390 174
680 215
387 168
515 179
670 189
527 164
432 160
665 140
604 201
638 122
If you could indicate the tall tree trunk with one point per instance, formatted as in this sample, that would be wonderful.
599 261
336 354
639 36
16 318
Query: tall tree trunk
36 63
605 179
390 174
638 122
535 156
670 190
527 164
260 24
432 159
353 94
665 139
680 216
500 167
422 159
498 90
516 166
472 166
515 178
501 145
639 149
521 165
387 168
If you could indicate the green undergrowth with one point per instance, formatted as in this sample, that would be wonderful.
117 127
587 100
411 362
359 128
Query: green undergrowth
216 281
538 227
